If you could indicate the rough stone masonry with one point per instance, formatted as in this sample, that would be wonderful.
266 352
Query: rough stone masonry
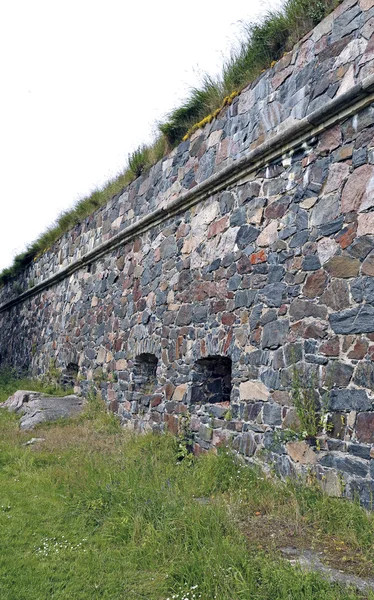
244 256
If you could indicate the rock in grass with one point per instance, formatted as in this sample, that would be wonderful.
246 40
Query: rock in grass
37 408
34 441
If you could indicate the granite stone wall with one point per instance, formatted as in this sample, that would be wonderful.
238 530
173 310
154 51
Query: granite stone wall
236 275
334 58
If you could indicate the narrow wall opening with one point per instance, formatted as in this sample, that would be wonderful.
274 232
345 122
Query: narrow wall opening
211 380
144 373
70 374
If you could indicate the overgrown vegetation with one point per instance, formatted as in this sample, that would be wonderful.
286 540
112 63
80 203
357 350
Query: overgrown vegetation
93 513
262 44
310 407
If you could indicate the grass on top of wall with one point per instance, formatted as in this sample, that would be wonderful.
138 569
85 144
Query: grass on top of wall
95 513
262 43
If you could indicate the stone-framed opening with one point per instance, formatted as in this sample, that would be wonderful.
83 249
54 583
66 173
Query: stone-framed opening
144 372
70 374
211 381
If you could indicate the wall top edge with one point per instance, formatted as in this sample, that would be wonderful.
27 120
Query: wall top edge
336 110
327 71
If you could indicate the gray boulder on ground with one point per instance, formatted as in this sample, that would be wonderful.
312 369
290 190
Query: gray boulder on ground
37 408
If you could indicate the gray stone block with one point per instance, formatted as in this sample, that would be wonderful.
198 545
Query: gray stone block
356 320
346 464
275 334
349 399
272 414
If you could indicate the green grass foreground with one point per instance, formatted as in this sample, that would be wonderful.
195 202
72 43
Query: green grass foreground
94 513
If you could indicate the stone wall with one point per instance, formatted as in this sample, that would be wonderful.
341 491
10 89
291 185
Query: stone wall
243 261
333 59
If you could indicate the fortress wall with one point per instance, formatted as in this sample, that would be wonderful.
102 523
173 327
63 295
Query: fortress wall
294 94
224 298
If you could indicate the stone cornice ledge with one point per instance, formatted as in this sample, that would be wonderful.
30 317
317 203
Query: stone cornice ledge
340 108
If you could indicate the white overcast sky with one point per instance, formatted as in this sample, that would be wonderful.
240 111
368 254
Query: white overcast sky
82 83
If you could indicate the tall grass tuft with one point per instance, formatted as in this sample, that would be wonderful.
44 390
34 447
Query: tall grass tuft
261 44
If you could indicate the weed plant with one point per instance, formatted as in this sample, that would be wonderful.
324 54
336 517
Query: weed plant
304 395
311 407
262 44
96 513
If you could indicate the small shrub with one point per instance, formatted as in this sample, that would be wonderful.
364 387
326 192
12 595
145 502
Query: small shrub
305 400
311 408
184 441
